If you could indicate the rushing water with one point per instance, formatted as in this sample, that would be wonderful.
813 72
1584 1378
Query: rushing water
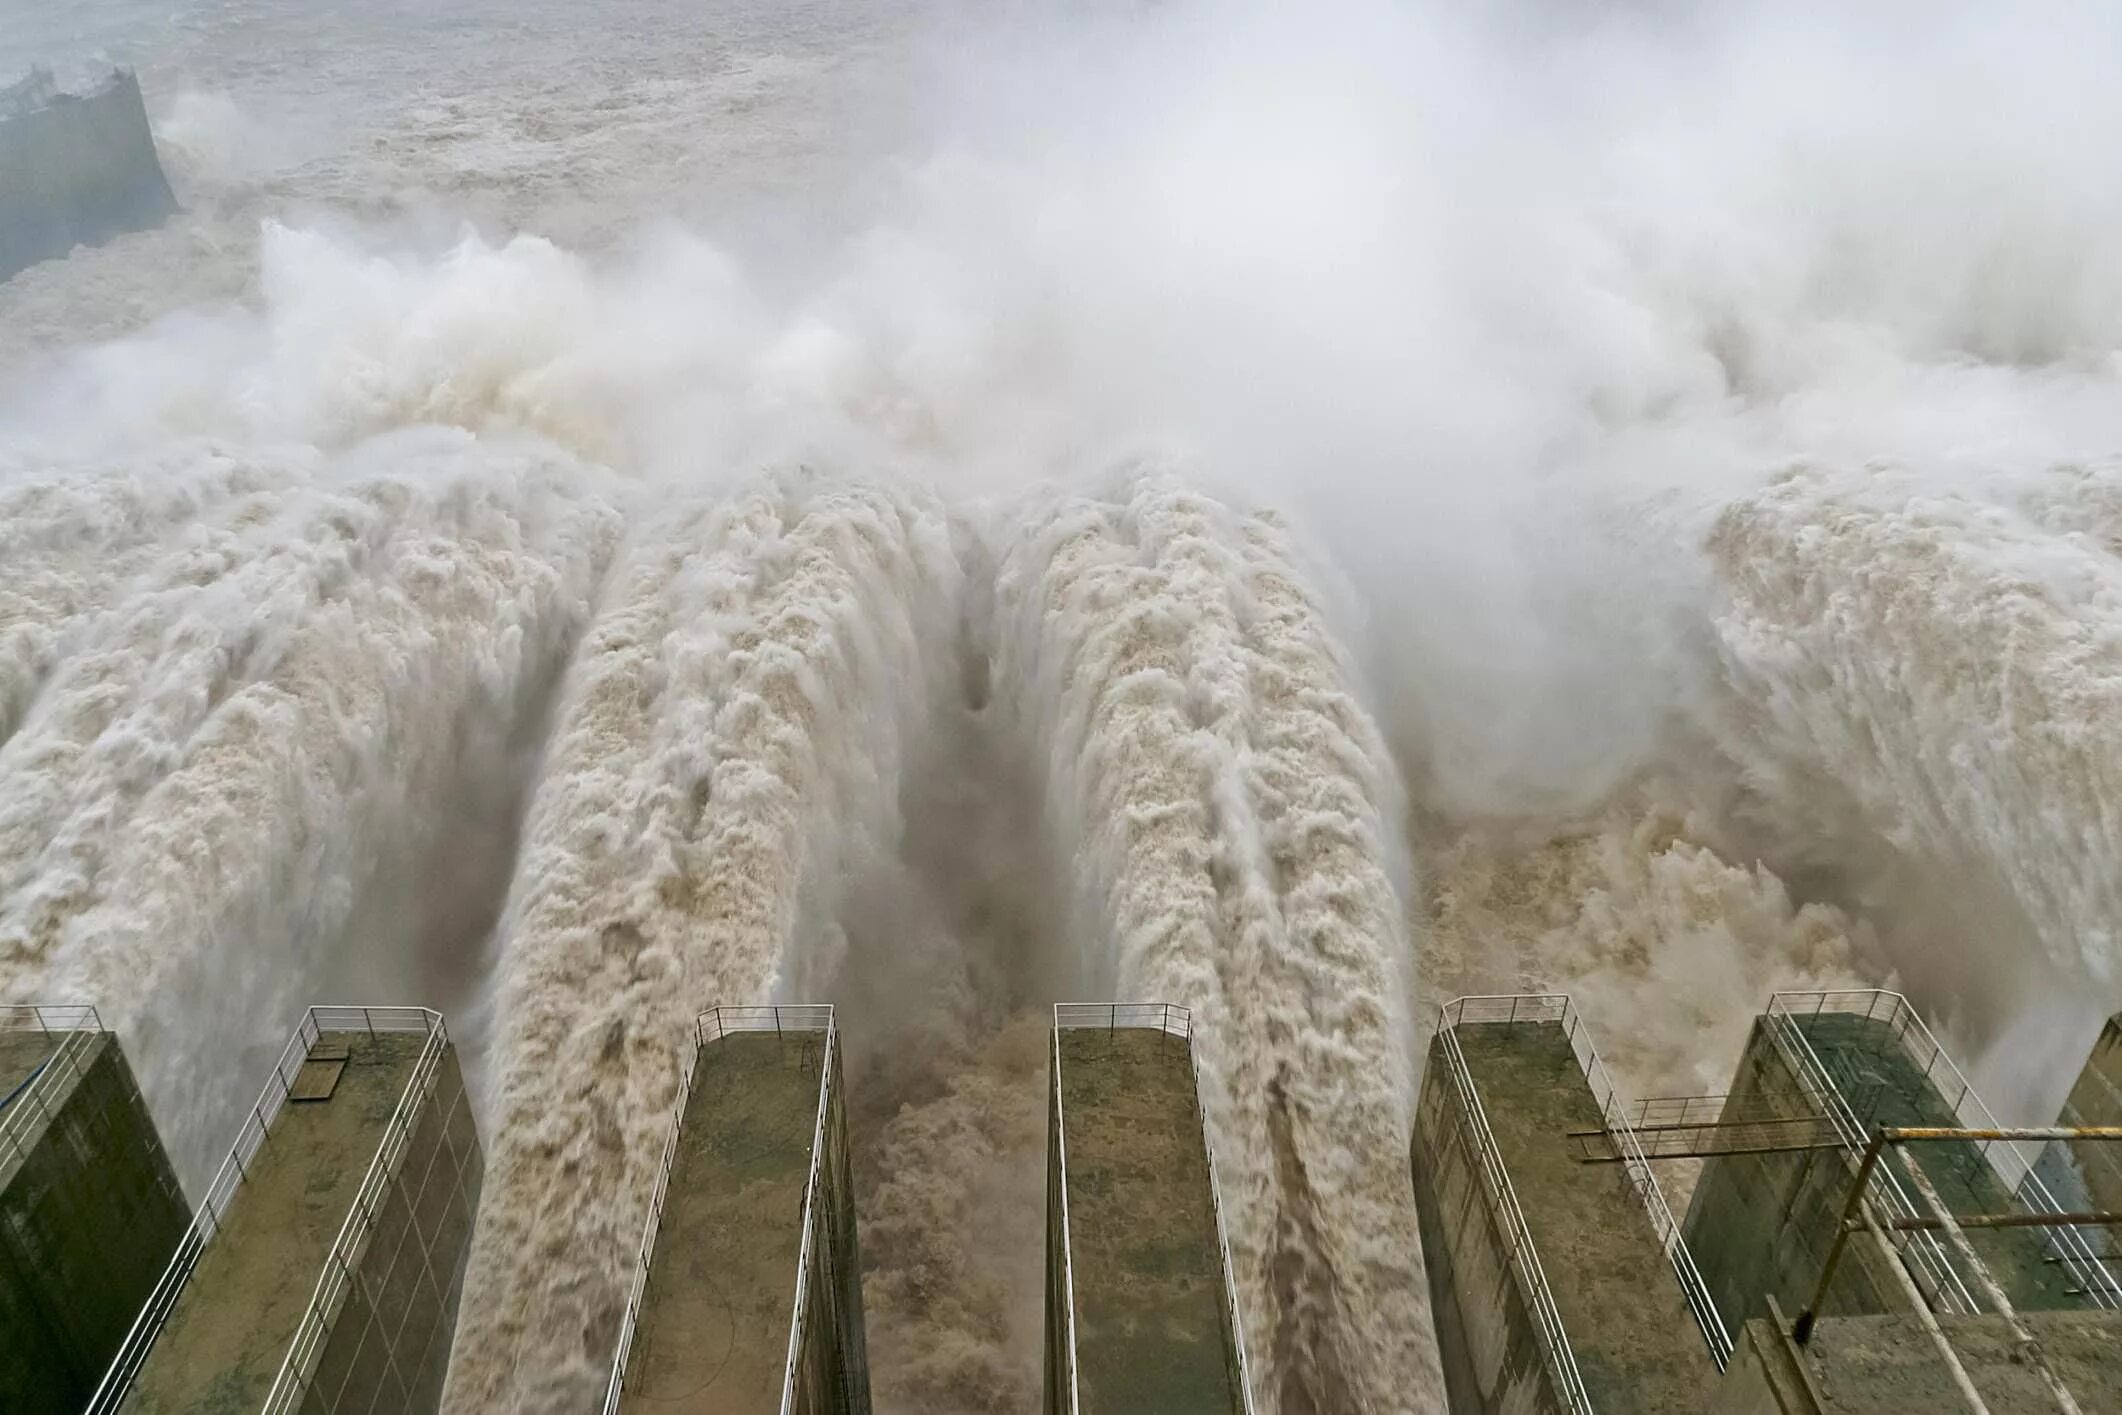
591 512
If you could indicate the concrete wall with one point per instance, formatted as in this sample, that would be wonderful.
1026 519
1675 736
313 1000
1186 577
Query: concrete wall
1764 1376
1057 1295
832 1363
389 1344
1493 1361
1889 1365
2096 1099
78 171
88 1220
2087 1174
1760 1224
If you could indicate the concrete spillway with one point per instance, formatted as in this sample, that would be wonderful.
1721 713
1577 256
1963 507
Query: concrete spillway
75 169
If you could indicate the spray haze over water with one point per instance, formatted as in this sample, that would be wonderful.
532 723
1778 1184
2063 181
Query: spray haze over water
587 515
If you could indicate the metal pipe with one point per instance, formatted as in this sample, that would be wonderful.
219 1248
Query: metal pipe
2103 1219
1909 1133
1801 1331
1927 1318
2029 1350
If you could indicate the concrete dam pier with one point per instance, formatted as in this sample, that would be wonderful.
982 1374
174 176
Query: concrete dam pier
1824 1266
1860 1235
75 169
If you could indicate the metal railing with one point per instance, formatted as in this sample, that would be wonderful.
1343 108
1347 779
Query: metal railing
1614 1111
631 1317
1110 1016
2011 1165
1699 1127
341 1263
1068 1245
712 1026
1615 1115
212 1213
1522 1256
25 1108
1923 1253
1230 1277
810 1220
49 1017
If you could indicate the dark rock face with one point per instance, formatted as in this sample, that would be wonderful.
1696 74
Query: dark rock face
75 169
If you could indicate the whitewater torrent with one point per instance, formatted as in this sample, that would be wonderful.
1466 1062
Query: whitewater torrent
70 542
251 729
1933 681
1227 804
1666 948
1700 436
726 757
952 1182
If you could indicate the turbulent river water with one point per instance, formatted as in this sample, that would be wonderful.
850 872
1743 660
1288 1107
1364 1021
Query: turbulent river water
592 511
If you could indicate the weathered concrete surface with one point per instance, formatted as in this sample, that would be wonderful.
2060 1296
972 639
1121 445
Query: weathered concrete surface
77 170
90 1212
714 1325
1885 1365
229 1333
389 1344
1761 1225
1492 1356
1148 1271
2096 1099
21 1053
1637 1346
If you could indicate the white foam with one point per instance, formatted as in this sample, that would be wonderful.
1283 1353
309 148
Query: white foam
1227 805
1667 949
199 803
727 755
1924 703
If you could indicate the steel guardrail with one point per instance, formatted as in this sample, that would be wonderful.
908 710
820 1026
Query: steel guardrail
1921 1251
24 1108
1215 1199
1167 1017
1969 1111
1523 1256
1068 1244
211 1215
1613 1112
351 1243
801 1314
631 1316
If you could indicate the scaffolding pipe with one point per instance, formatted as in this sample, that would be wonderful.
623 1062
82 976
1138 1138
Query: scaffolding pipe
1900 1133
2029 1350
1802 1329
1924 1315
2102 1219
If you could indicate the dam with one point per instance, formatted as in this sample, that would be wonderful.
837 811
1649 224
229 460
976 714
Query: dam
75 169
748 1299
322 1269
90 1208
1823 1268
1817 1266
